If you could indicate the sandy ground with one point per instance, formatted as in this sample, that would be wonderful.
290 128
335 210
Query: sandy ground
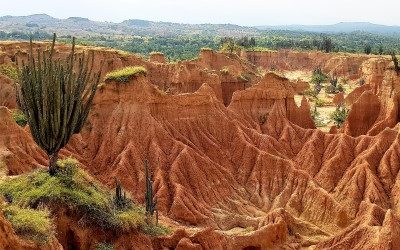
325 111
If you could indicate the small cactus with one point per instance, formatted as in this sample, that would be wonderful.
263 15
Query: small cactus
151 200
120 199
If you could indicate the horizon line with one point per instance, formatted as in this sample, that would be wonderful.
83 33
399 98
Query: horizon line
203 23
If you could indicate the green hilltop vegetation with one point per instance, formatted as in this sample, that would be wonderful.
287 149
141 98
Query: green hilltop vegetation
29 201
186 47
125 74
30 197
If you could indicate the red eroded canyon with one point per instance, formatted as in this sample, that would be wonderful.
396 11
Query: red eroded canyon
238 162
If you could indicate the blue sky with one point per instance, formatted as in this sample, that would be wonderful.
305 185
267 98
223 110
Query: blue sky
248 12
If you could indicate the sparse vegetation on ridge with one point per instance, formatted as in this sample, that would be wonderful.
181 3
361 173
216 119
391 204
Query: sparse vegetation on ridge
9 71
157 53
19 117
244 76
32 224
76 190
224 70
104 246
125 74
395 63
339 116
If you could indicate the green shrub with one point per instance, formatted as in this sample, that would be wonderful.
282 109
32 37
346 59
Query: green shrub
76 190
339 116
104 246
244 77
318 76
344 80
156 230
206 49
70 186
19 117
310 92
30 223
340 88
225 71
125 74
367 49
9 71
316 117
262 119
156 53
320 103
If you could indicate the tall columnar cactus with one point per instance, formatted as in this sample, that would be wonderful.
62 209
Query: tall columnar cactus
55 96
151 200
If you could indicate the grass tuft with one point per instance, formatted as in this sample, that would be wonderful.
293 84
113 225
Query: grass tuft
9 71
75 189
156 53
125 74
104 246
33 224
19 117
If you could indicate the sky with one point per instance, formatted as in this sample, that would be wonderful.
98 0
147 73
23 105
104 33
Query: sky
242 12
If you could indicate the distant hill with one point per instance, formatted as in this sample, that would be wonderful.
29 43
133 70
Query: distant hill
83 26
343 27
80 26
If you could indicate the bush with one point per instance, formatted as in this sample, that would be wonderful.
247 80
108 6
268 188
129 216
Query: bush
334 90
30 223
104 246
19 117
244 77
125 74
156 53
344 80
340 88
75 189
9 71
224 71
206 49
310 92
262 119
326 44
318 76
320 103
339 116
156 230
367 49
316 117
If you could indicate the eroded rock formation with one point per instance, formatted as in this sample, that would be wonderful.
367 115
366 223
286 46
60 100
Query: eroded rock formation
243 171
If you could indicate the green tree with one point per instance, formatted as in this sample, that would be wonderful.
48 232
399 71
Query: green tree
380 51
339 116
367 49
55 95
253 42
326 44
228 44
